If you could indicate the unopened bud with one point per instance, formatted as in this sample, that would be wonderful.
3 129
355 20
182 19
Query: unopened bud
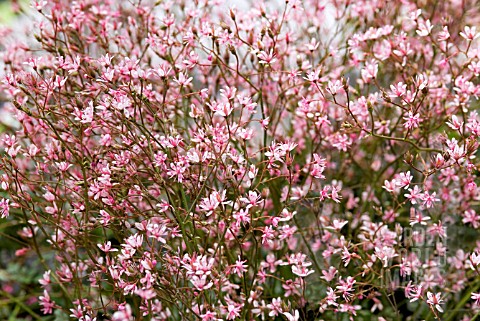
347 125
472 146
408 157
270 33
299 61
386 97
250 37
446 156
369 105
226 58
225 26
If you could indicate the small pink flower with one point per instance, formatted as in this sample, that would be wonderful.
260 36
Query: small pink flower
476 297
46 303
411 120
424 28
435 300
292 317
4 208
444 34
266 58
124 313
239 267
469 33
474 260
39 5
45 280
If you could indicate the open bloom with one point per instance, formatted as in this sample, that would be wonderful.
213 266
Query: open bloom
435 300
46 303
476 297
292 317
469 33
4 208
385 253
474 260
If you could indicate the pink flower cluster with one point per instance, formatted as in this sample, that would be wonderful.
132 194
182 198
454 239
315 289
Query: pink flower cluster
182 160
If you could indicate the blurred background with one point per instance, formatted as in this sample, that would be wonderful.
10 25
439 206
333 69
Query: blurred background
9 9
10 17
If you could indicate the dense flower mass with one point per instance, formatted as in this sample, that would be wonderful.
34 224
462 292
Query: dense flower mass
283 160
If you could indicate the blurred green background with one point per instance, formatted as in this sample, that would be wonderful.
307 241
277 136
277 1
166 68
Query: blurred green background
10 9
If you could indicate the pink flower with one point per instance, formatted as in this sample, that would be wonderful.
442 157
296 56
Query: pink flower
444 34
266 58
455 123
398 90
385 253
346 256
346 287
337 225
275 307
331 297
424 28
411 120
239 267
211 203
469 33
435 300
301 270
233 311
45 280
471 217
210 316
474 260
390 186
334 87
292 317
4 208
268 235
107 247
369 72
414 194
46 303
476 297
201 283
429 199
416 217
404 179
39 5
413 292
318 166
329 274
183 80
124 313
